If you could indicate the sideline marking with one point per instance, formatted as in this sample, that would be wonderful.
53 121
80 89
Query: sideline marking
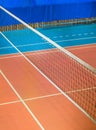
21 100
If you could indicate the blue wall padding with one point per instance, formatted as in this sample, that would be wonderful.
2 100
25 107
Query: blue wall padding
47 10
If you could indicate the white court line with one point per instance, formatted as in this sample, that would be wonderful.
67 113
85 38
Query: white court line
76 39
85 46
42 97
59 47
7 47
30 99
22 101
13 55
16 55
24 45
8 103
80 90
46 96
41 43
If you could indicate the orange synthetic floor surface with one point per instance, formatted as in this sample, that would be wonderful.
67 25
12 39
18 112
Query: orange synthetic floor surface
86 53
53 110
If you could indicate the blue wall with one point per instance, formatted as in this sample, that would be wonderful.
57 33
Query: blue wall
47 10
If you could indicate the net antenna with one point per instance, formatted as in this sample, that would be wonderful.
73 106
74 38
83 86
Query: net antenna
52 42
92 69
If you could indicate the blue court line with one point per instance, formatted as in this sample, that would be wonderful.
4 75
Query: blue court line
26 40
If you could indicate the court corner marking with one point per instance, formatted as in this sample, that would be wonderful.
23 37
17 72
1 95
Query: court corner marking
22 101
31 99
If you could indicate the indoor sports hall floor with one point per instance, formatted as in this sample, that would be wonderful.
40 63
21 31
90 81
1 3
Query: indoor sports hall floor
28 101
